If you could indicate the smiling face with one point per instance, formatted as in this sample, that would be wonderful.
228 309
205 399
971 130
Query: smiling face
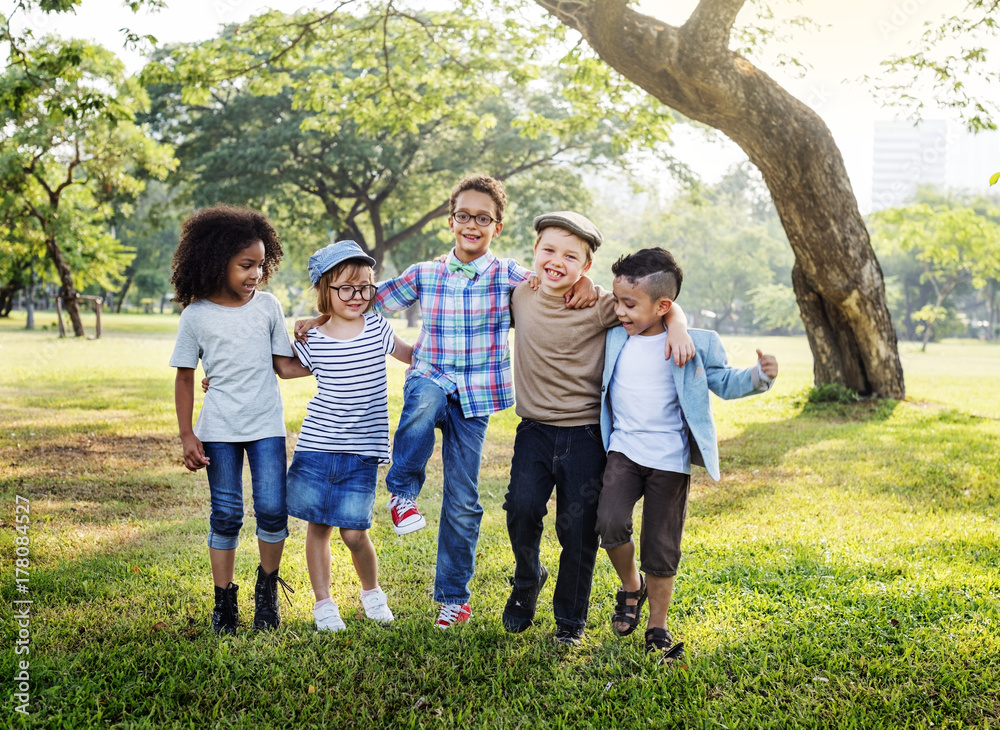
560 260
355 308
243 273
639 313
471 239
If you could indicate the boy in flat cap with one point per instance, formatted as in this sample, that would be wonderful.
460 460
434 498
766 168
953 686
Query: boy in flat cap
558 360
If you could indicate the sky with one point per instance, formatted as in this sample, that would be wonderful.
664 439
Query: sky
852 38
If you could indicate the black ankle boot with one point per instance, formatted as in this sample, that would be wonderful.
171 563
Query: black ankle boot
226 615
267 614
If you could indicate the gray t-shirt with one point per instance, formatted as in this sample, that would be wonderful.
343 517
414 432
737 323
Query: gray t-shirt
235 345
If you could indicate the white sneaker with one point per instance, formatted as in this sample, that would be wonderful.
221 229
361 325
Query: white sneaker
406 518
328 618
377 607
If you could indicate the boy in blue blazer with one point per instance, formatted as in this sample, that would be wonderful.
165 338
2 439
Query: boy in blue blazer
656 420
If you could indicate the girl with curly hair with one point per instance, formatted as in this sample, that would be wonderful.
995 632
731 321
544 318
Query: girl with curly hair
238 332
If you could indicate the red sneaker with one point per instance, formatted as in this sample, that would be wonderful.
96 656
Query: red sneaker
453 613
406 518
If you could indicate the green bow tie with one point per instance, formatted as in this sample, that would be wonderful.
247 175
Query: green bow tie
468 269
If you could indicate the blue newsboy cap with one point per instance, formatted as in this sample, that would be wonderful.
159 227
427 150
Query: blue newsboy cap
326 258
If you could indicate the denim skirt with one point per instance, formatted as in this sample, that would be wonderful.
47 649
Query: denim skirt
332 489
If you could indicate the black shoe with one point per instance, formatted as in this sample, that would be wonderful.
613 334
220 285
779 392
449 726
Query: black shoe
226 614
519 613
661 642
267 614
569 635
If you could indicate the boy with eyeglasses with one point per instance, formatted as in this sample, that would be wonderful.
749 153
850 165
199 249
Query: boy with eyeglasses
460 374
558 359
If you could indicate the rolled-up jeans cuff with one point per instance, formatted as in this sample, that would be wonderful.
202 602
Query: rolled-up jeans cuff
222 542
272 537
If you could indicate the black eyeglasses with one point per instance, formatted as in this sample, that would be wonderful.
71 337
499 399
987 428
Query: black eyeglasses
482 220
346 292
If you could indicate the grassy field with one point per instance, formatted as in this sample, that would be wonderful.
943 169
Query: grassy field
844 573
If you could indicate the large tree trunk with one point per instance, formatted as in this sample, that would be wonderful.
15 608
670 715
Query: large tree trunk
69 294
837 280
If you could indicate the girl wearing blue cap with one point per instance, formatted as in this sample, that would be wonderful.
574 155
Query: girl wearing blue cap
345 434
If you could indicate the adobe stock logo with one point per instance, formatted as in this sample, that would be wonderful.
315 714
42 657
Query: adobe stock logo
900 16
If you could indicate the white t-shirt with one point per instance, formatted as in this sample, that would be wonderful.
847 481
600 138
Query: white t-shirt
350 412
235 345
648 426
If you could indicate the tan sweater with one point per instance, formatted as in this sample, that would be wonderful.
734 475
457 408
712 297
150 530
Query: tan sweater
559 357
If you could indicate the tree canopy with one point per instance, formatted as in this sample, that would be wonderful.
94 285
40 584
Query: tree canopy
362 123
69 149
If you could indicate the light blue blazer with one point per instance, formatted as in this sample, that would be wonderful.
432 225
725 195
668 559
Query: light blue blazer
709 370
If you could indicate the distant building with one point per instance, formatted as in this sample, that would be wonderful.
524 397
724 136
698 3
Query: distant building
931 152
905 156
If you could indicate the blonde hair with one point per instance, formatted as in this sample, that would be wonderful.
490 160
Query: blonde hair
353 268
587 250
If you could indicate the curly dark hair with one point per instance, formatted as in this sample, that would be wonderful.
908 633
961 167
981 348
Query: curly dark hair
482 184
209 239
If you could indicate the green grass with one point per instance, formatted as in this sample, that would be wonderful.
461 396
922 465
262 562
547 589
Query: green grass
844 573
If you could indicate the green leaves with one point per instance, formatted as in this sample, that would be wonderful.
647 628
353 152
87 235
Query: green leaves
994 177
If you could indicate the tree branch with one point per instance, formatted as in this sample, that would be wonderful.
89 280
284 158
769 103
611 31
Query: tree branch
711 24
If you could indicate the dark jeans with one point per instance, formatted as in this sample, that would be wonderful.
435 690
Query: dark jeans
571 459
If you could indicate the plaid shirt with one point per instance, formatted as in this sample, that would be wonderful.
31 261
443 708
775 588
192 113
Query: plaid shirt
462 345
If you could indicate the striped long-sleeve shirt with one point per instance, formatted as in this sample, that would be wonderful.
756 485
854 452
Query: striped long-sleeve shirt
462 344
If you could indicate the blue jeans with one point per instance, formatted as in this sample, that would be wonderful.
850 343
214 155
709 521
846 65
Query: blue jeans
225 482
426 407
571 459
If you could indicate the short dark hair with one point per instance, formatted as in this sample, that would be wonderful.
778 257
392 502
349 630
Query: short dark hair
209 239
481 184
653 270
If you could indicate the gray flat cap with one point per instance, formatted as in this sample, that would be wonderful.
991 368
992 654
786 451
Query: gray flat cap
572 222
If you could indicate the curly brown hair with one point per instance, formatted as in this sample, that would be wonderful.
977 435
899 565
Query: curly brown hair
209 239
482 184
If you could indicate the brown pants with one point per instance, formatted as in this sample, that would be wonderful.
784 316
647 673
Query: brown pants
663 512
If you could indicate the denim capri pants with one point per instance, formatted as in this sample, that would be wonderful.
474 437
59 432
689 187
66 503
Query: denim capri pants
332 488
225 482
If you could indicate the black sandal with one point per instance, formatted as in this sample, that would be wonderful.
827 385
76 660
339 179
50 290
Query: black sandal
629 614
661 642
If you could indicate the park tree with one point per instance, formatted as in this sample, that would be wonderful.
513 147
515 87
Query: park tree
954 246
956 58
728 241
694 69
69 145
367 137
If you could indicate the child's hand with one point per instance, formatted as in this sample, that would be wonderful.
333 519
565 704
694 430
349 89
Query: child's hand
768 364
442 259
679 345
302 326
582 295
204 385
533 281
194 453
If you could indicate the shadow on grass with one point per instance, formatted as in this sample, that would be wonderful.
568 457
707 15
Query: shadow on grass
912 452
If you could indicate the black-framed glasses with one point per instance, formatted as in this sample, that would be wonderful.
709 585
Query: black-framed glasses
346 292
482 220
